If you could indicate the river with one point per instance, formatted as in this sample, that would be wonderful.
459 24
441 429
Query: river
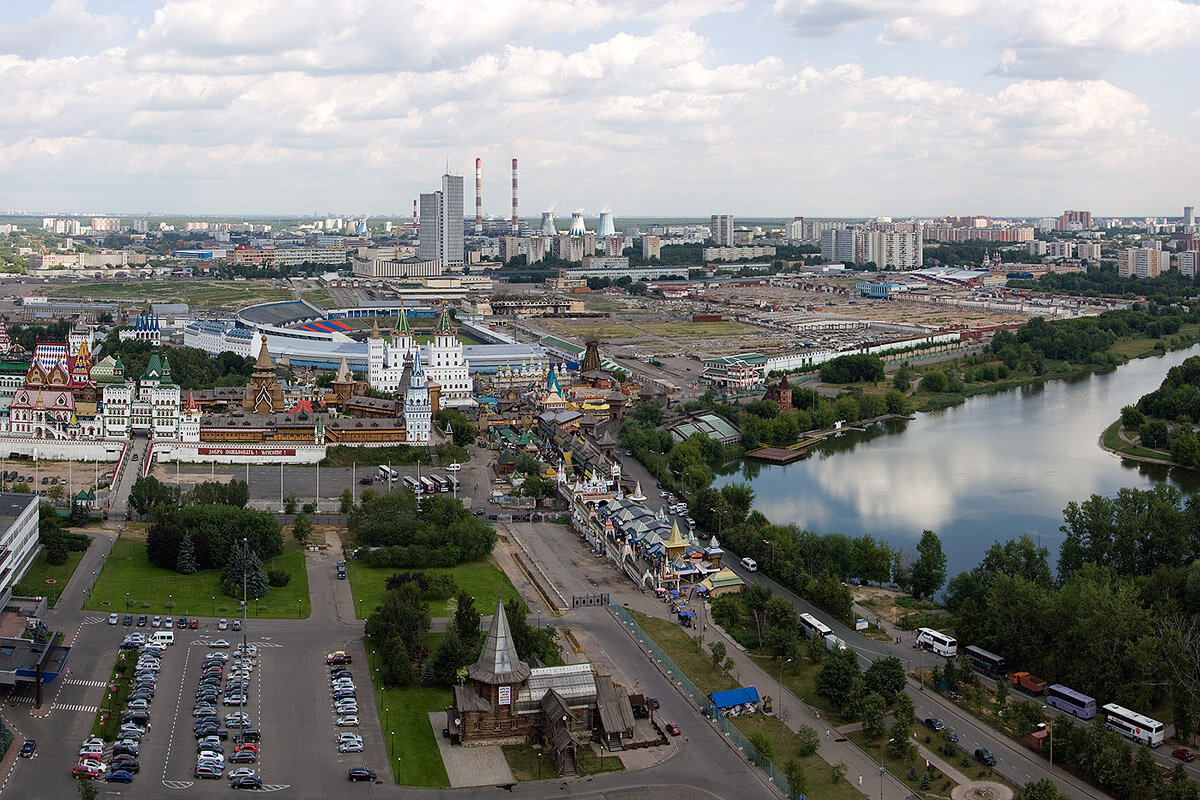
989 469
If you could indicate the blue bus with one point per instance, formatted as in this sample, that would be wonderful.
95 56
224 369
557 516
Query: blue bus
1071 701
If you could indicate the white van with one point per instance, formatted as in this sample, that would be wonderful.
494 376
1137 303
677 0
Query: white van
750 564
163 637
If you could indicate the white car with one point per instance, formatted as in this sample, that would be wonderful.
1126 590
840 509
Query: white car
347 721
346 707
241 772
91 749
219 643
350 747
113 619
750 564
455 467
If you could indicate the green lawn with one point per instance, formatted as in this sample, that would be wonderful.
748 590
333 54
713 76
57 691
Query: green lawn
108 717
482 579
817 771
34 583
677 643
129 582
202 294
411 746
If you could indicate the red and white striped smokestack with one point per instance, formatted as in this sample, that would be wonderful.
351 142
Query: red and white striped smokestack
414 215
479 197
515 226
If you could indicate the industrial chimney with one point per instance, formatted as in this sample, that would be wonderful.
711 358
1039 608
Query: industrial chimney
516 228
414 215
577 226
548 224
606 225
479 197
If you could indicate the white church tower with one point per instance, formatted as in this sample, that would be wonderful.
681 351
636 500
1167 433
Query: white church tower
418 413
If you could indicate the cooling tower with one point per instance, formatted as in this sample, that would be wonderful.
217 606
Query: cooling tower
606 225
577 226
548 224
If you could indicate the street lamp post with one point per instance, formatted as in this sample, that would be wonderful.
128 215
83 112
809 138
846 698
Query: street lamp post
781 665
214 604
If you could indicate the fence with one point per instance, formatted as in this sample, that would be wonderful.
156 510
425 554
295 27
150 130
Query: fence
706 705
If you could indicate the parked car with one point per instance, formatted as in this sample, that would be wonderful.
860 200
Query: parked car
1183 754
119 776
113 619
750 564
142 620
28 749
241 772
244 757
193 624
350 747
223 624
156 622
347 721
208 771
246 782
673 729
360 774
128 620
934 724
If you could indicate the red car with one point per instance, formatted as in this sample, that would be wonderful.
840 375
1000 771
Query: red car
338 657
673 729
193 624
1183 754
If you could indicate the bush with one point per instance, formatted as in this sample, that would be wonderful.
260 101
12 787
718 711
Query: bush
278 577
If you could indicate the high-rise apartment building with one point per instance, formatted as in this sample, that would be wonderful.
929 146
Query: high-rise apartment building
722 230
651 247
1074 221
1189 261
441 224
1088 251
1189 216
892 247
795 229
838 246
1142 262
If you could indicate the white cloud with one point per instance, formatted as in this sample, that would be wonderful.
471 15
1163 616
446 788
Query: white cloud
602 102
66 25
1035 38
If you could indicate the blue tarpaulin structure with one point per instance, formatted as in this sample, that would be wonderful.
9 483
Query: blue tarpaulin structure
735 697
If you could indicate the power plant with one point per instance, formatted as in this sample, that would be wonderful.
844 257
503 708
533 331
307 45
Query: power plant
577 227
606 225
548 224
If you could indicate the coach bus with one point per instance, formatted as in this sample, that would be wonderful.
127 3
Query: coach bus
387 474
811 626
453 481
1133 725
989 664
441 483
427 485
936 642
1071 701
411 483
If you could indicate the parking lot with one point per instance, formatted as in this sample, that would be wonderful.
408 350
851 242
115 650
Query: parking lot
289 702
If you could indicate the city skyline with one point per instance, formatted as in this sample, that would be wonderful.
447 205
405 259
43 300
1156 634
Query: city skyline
826 108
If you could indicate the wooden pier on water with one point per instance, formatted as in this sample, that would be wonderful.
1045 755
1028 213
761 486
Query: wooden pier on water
794 452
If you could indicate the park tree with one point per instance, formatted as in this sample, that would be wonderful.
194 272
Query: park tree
396 669
718 653
346 501
886 678
404 613
50 535
928 571
836 678
148 492
186 562
301 528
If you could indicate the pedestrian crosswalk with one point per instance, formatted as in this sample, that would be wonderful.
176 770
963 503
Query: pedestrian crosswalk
92 620
82 682
74 707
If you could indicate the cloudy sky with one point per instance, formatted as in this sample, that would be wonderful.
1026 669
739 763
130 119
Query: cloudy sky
645 107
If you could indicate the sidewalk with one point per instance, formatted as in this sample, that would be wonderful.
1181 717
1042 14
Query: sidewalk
861 770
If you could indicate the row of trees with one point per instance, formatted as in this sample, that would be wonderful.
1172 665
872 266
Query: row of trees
191 367
1119 620
762 421
149 492
1103 281
193 538
406 533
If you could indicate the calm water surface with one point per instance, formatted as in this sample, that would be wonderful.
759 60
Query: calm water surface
990 469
